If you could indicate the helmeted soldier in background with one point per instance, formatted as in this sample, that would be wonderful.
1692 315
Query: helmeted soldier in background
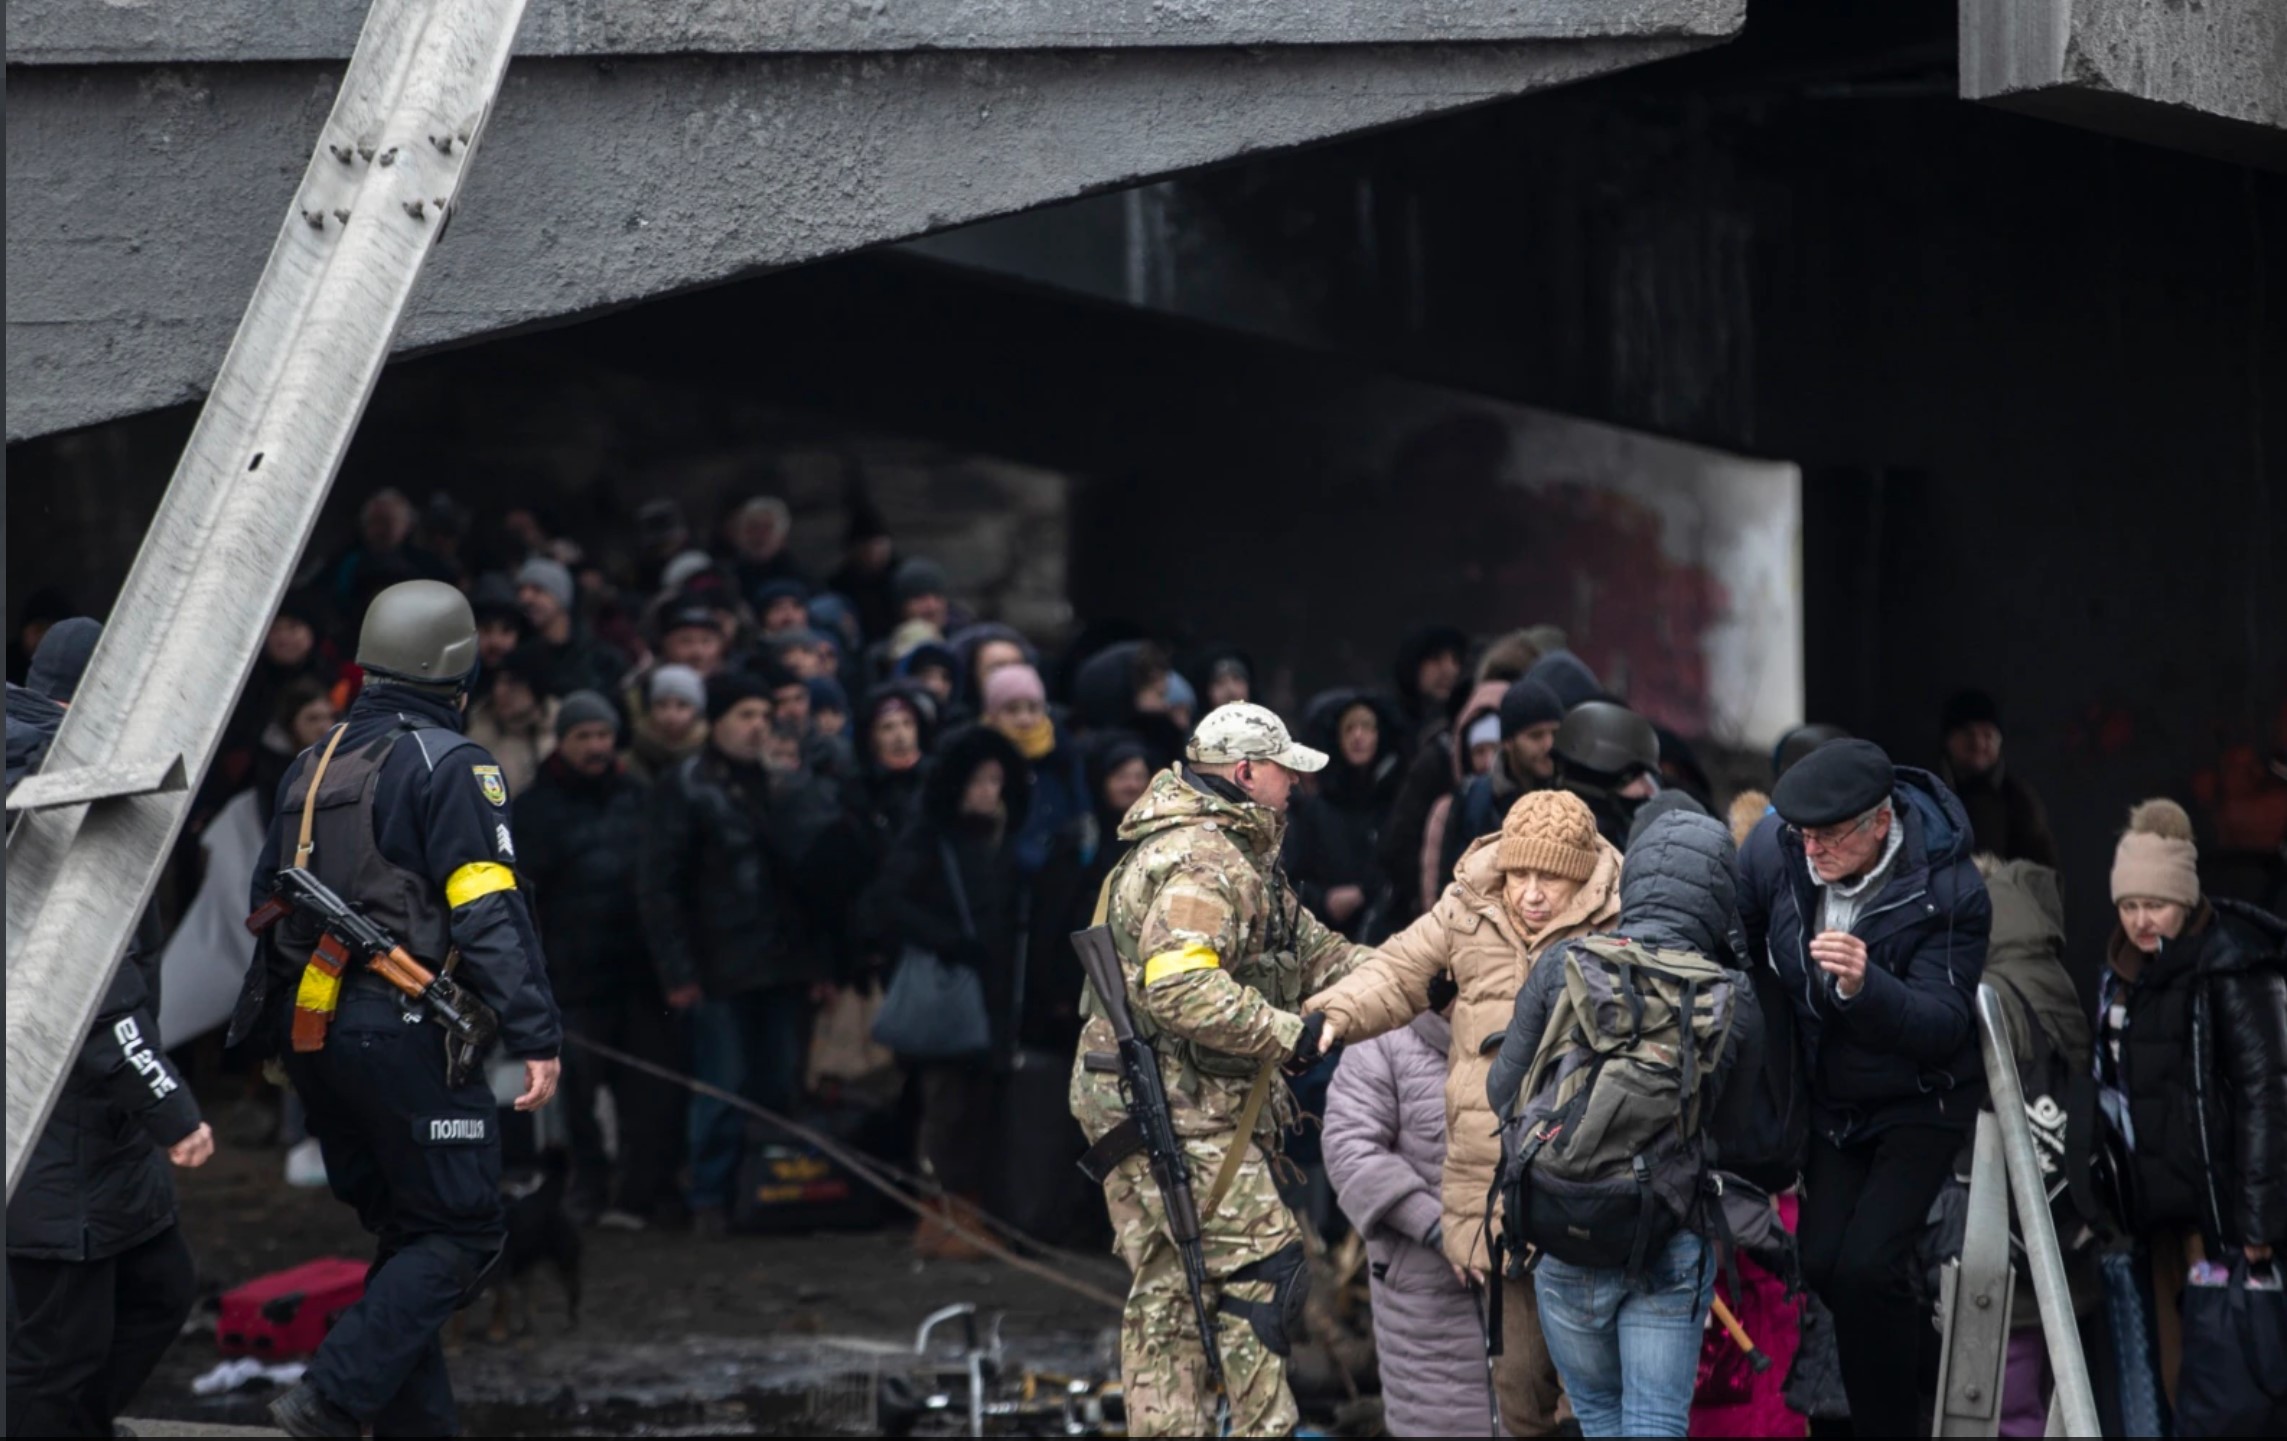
410 824
1218 953
1609 756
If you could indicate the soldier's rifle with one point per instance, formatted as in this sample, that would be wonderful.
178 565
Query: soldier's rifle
1146 1095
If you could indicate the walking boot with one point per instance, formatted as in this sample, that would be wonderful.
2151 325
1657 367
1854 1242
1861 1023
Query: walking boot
301 1411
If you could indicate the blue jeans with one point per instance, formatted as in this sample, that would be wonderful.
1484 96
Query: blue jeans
1629 1358
751 1045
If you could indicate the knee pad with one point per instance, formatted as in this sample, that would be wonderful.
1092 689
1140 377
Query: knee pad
1278 1321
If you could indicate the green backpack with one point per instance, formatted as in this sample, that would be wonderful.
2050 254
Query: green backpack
1603 1156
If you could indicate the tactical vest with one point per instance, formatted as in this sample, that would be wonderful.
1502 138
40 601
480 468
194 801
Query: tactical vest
346 855
1272 968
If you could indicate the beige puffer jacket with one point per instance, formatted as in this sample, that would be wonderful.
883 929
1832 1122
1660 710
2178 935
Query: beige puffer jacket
1470 933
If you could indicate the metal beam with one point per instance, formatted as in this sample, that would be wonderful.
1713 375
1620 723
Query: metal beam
373 200
74 32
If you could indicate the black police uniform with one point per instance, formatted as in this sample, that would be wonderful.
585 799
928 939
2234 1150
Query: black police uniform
412 827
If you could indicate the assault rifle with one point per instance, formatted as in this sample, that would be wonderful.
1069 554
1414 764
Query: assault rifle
469 1023
1154 1135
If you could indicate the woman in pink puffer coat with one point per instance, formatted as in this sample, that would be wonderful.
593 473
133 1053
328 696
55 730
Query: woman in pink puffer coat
1385 1153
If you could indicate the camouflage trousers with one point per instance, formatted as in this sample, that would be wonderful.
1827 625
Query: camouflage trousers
1162 1369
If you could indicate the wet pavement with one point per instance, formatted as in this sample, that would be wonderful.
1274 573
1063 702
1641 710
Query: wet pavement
797 1335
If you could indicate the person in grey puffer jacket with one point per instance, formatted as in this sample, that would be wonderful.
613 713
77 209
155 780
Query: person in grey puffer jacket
1630 1357
1385 1153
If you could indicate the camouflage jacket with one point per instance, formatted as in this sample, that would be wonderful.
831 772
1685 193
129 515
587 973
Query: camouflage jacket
1218 953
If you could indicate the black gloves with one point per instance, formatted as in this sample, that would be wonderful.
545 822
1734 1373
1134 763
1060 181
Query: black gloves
1442 990
1306 1045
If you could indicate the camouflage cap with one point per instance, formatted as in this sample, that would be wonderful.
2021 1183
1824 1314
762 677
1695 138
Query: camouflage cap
1243 731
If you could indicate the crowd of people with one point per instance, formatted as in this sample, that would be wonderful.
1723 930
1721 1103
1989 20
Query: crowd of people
744 797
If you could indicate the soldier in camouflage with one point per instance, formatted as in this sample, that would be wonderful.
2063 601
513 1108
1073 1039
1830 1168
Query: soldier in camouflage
1218 954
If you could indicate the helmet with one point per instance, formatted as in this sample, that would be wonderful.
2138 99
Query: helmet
1607 739
420 631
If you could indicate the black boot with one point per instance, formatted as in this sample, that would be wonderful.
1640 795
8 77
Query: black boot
301 1411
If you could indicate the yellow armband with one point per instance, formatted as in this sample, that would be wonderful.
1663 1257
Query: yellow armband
1193 957
477 879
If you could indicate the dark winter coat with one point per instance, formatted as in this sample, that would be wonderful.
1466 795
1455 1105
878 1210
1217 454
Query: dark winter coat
944 848
1064 893
1385 1154
1104 698
724 846
97 1182
2007 817
1333 837
1614 813
1677 892
582 662
2203 1066
1904 1051
579 842
1059 799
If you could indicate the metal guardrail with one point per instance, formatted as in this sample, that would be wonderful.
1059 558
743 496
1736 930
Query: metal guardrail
1976 1293
90 835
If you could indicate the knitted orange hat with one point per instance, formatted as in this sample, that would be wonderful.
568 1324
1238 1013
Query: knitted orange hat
1550 831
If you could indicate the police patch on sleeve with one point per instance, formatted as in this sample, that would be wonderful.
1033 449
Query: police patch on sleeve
488 780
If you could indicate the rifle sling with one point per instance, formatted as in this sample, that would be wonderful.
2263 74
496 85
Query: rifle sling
305 844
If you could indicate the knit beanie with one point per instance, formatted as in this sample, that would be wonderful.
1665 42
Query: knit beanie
727 688
1529 703
582 707
550 576
2156 859
680 681
1551 831
1013 683
917 576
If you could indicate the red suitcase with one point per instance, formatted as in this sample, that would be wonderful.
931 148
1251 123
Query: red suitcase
287 1313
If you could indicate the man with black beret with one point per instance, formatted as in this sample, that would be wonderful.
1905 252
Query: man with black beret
1861 892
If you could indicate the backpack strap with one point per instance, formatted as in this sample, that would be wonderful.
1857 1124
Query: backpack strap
1647 1209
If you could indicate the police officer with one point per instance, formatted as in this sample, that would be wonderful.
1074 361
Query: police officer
1218 953
410 823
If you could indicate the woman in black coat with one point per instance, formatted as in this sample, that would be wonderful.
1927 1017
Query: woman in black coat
1334 835
951 887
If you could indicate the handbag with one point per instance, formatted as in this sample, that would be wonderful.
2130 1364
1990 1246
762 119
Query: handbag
2234 1377
842 1047
935 1010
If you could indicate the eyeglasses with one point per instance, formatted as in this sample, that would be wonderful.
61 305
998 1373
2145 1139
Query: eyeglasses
1826 838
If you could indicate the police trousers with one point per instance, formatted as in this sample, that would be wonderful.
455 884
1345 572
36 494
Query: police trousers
83 1336
420 1161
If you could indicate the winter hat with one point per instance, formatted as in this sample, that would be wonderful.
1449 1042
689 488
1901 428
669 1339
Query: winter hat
1529 703
582 707
2156 859
1551 831
1484 731
550 576
657 520
1569 676
62 658
1969 707
1180 695
1840 781
495 599
1013 683
826 693
911 635
783 588
688 613
917 576
866 523
686 564
678 680
728 687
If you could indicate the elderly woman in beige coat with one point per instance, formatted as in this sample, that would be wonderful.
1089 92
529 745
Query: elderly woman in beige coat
1546 876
